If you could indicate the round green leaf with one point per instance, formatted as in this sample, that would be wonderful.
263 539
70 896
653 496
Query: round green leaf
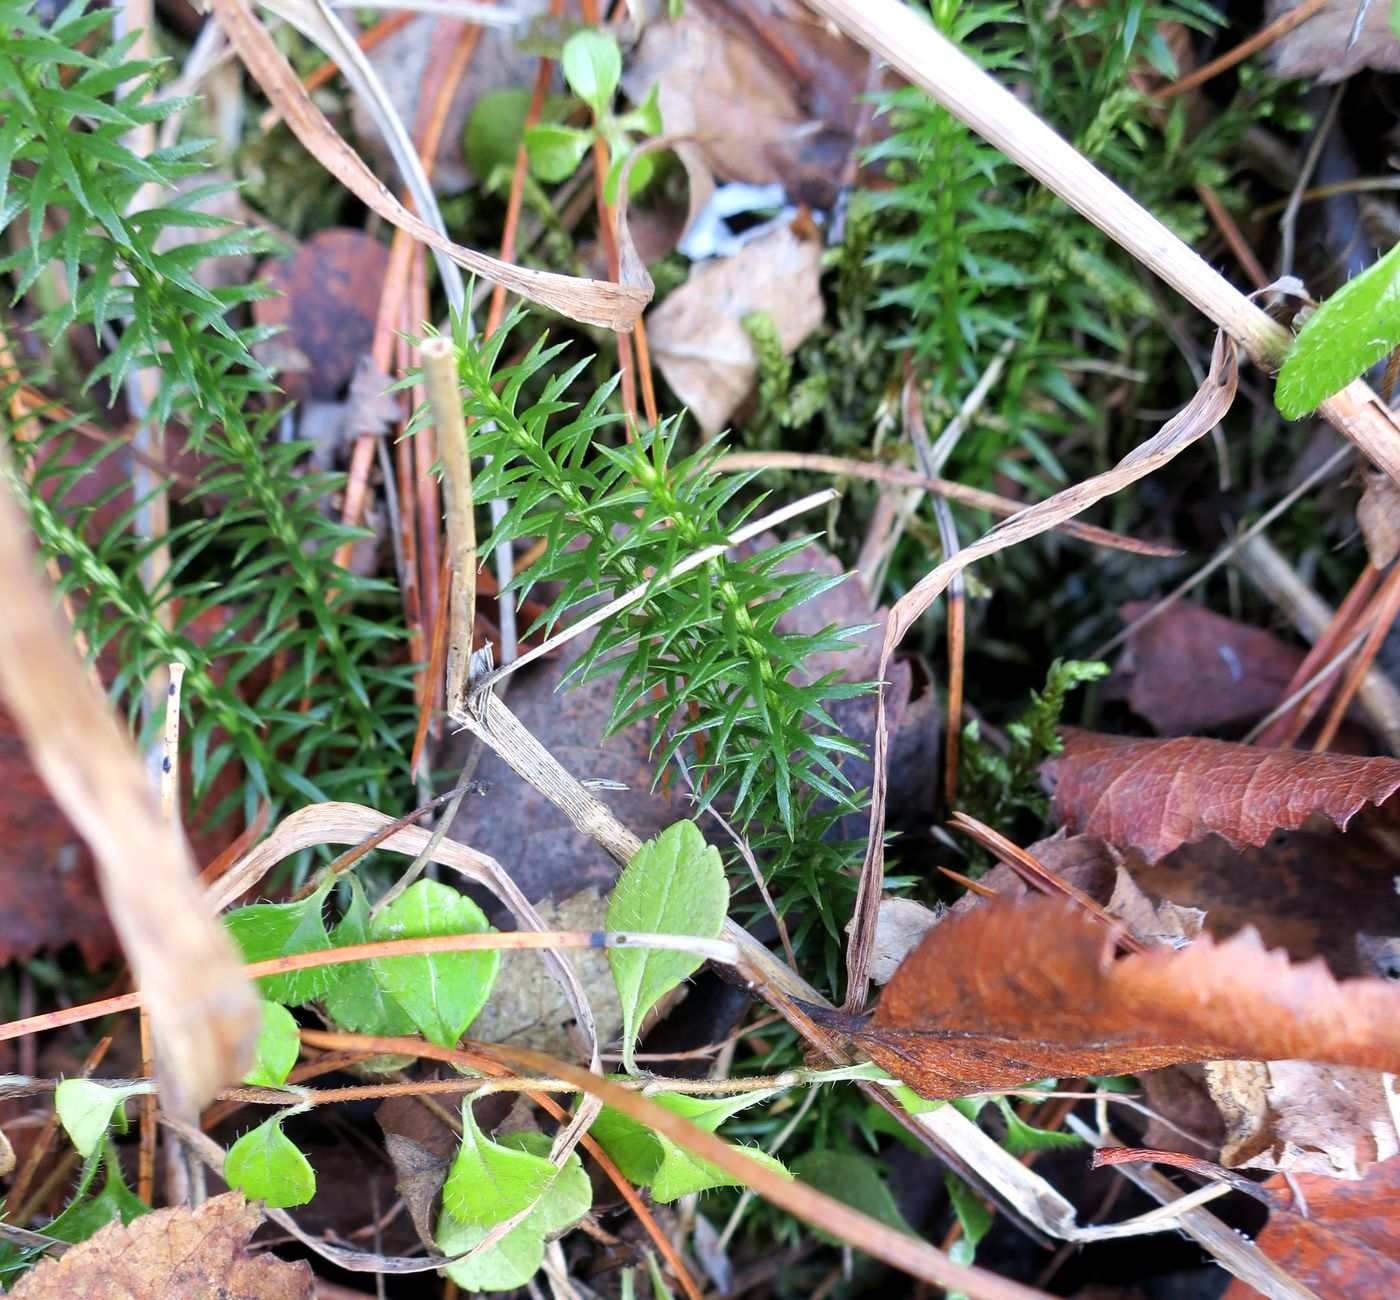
592 66
266 1165
444 992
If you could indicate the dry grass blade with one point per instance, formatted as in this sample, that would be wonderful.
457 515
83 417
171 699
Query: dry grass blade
1200 415
204 1013
593 302
949 489
898 1249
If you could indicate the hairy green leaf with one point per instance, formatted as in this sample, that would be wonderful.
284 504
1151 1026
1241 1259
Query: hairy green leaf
85 1109
1342 339
266 930
674 885
279 1042
266 1165
652 1160
441 993
491 1182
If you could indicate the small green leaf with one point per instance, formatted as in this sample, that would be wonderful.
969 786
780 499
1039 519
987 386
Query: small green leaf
267 930
560 1198
494 130
651 1159
674 885
1022 1138
556 151
637 179
444 992
279 1042
85 1109
645 119
354 1000
854 1180
489 1182
1342 339
973 1215
84 1215
266 1165
592 64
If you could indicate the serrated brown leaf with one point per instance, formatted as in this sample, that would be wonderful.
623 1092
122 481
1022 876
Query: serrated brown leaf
179 1252
1156 795
1021 989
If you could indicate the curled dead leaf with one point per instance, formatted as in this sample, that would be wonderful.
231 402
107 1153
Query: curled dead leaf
1023 989
1156 795
1378 515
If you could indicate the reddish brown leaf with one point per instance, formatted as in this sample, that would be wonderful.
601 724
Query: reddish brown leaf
1023 989
1156 795
179 1252
46 874
327 298
1190 670
1345 1247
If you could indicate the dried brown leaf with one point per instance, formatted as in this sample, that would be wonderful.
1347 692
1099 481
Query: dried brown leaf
1308 891
1342 1245
327 298
1301 1117
1378 513
1156 795
763 98
1023 989
696 335
1322 47
46 873
594 302
179 1252
1191 670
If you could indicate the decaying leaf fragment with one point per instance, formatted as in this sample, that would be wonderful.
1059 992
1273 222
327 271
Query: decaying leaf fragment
1156 795
1023 989
697 335
179 1252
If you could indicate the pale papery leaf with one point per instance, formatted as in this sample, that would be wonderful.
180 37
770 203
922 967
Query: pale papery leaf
1021 989
1156 795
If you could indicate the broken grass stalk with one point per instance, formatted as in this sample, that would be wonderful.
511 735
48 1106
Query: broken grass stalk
444 397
